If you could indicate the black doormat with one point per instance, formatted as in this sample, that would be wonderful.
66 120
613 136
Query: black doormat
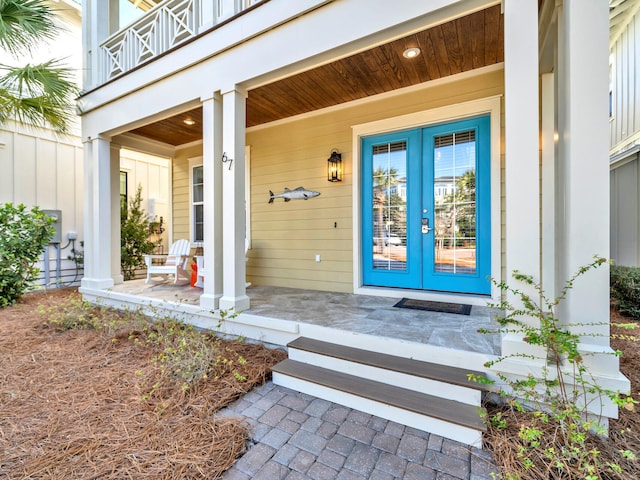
429 306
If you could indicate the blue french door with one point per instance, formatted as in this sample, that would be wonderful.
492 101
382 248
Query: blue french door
426 208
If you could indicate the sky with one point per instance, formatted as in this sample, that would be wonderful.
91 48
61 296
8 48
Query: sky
128 13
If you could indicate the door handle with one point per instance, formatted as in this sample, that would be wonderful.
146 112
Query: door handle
425 226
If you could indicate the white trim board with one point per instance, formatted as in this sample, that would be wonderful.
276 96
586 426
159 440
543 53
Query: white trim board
488 105
193 163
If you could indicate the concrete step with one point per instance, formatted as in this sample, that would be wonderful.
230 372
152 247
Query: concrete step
438 380
448 418
429 396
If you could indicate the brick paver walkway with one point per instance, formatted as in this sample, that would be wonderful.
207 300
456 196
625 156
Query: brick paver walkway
297 437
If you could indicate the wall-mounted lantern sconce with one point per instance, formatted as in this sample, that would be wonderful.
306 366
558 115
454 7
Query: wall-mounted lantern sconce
334 167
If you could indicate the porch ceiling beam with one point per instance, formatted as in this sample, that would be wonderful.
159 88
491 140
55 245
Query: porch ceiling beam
144 144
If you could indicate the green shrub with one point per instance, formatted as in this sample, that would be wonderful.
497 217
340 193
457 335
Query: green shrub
134 236
23 235
625 290
560 397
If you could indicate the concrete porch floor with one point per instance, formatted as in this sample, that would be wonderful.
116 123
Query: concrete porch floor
362 314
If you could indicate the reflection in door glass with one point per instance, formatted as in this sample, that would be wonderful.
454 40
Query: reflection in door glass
454 189
390 206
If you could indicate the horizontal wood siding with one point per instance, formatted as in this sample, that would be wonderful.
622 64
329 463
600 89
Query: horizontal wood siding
181 178
286 237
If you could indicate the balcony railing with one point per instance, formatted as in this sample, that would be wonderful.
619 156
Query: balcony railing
162 28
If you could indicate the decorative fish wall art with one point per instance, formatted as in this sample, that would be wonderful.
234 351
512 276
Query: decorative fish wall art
299 193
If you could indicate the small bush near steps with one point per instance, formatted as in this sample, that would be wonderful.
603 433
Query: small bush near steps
544 428
185 355
625 290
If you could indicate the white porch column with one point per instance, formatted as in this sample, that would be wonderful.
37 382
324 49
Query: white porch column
102 20
583 213
97 214
116 269
212 169
548 139
522 170
233 200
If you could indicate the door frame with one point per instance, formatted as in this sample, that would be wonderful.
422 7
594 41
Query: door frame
460 111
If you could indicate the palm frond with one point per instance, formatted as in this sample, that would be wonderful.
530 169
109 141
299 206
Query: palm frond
41 95
24 24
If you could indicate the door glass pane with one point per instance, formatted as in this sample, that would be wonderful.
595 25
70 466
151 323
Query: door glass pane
454 186
389 206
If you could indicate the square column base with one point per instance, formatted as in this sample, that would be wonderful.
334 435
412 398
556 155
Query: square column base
234 304
96 283
209 301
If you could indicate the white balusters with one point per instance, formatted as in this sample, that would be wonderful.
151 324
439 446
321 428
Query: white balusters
162 28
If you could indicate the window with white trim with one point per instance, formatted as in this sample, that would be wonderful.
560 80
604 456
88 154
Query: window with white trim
124 187
196 197
197 204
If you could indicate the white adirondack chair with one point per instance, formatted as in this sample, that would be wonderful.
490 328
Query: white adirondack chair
200 266
175 263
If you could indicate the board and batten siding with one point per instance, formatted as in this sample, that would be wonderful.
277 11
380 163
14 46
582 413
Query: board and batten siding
625 213
624 141
286 237
41 169
625 87
152 173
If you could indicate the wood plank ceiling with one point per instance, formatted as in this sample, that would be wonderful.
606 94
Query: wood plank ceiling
456 46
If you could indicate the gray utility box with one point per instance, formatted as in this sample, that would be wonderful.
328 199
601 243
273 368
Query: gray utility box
57 224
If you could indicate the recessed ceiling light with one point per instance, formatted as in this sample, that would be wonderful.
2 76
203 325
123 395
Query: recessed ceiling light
188 121
411 52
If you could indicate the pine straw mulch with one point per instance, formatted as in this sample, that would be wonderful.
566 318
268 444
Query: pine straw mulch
624 433
77 404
